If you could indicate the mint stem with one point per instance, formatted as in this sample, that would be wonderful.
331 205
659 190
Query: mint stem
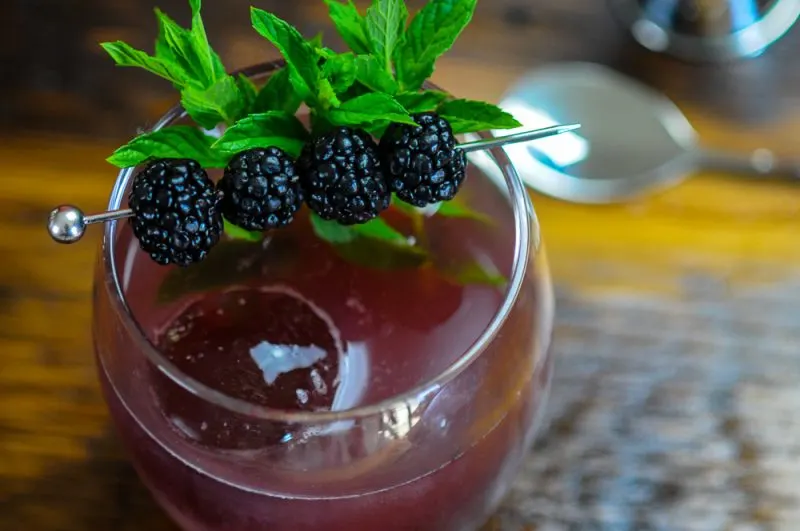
418 226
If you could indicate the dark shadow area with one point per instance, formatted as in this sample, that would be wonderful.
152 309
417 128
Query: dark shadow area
101 492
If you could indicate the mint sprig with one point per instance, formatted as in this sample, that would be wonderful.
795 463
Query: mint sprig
425 101
278 94
372 74
340 70
269 129
185 58
301 58
386 23
237 233
369 109
350 25
178 141
432 32
467 116
373 244
378 81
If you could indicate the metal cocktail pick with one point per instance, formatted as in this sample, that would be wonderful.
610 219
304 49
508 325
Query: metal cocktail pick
67 223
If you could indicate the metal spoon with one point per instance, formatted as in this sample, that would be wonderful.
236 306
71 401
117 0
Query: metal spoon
632 140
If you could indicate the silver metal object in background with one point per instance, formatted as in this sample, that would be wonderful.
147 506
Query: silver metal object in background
707 30
67 223
632 140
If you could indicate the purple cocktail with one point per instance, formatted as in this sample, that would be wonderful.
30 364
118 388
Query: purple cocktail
279 385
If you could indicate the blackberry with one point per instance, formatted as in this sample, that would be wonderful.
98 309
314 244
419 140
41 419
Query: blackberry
422 163
176 211
342 177
261 190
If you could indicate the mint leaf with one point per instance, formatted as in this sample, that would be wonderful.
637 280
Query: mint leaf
270 129
189 49
327 95
331 231
177 45
125 55
432 32
232 262
475 273
278 95
467 116
453 209
378 229
248 92
211 62
237 233
323 52
424 101
299 54
371 73
221 102
317 41
178 141
334 232
373 244
386 20
340 71
404 207
369 108
446 209
350 25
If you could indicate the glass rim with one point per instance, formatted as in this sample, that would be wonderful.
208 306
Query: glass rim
526 233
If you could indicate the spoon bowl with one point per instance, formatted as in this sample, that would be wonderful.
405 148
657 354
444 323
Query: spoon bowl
632 141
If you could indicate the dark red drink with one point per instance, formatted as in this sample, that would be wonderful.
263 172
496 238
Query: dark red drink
291 389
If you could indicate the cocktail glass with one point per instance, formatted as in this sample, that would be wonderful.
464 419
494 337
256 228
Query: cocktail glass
283 385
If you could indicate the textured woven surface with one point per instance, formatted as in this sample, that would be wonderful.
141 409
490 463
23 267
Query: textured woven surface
670 412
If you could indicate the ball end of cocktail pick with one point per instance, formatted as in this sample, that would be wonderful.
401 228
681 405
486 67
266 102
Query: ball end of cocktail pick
66 224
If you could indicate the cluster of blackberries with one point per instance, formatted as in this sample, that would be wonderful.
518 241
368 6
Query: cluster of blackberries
343 175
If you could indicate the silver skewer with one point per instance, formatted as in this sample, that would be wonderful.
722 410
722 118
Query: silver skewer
67 223
524 136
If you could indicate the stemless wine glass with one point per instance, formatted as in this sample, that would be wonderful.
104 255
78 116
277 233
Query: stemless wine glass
438 456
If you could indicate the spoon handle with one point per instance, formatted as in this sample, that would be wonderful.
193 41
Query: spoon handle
761 164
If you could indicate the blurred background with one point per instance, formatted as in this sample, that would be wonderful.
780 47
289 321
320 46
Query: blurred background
678 335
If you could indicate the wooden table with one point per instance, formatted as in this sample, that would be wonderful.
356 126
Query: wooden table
678 337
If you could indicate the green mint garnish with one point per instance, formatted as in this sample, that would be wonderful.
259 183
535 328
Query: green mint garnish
125 55
238 233
249 93
340 70
425 101
475 273
369 109
278 95
350 25
454 209
386 23
189 49
433 31
373 244
301 57
269 129
375 83
179 141
466 116
232 262
372 74
185 58
221 102
448 209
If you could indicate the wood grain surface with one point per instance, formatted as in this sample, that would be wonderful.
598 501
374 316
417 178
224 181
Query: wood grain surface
674 405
